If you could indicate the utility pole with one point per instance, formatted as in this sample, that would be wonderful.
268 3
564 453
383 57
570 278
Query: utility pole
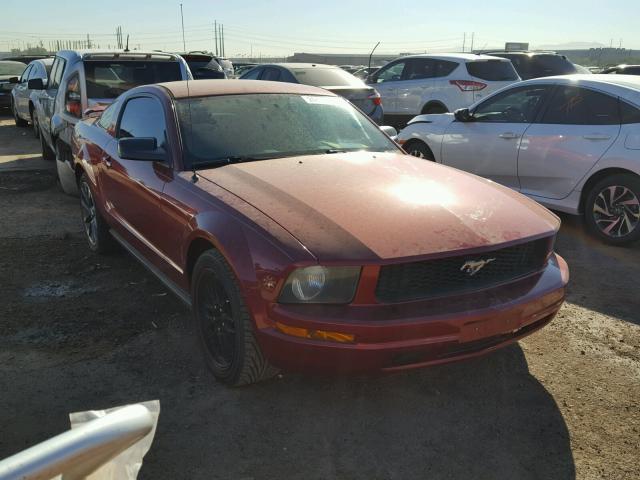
215 34
88 41
222 26
464 40
184 45
473 34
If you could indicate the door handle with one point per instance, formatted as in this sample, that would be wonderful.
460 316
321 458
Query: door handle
508 135
596 136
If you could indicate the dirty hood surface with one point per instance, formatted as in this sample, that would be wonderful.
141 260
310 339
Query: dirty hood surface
378 206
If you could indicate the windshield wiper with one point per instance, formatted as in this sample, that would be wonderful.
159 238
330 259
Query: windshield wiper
221 162
335 150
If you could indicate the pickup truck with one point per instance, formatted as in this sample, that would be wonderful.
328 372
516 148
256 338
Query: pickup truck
82 80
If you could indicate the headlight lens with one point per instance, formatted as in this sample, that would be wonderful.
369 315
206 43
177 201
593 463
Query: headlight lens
318 284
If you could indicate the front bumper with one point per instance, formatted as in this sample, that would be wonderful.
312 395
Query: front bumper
416 334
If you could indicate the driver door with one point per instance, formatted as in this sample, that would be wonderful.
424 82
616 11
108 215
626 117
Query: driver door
133 188
488 145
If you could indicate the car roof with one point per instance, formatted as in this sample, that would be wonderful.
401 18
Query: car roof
467 57
13 62
626 86
301 65
206 88
133 54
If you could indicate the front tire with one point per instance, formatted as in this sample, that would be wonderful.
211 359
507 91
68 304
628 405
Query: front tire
612 209
419 149
96 229
47 153
224 326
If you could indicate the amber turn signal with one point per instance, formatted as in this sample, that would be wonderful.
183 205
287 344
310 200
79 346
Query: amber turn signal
315 334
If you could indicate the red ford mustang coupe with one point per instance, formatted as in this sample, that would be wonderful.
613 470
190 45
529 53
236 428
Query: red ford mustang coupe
303 238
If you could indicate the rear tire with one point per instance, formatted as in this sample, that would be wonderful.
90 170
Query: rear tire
434 108
19 122
96 229
419 149
225 329
612 209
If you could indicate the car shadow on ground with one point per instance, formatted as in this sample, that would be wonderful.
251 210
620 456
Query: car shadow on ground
596 270
487 418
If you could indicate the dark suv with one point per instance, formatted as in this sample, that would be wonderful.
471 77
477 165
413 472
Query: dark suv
538 64
87 79
203 66
623 70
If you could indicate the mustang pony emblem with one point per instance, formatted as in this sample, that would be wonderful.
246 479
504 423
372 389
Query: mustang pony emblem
473 266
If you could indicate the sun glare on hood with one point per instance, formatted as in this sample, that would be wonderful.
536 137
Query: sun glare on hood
420 192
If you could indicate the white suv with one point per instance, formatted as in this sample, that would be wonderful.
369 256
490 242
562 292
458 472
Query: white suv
438 83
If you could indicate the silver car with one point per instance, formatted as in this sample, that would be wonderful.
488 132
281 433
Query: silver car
21 104
571 142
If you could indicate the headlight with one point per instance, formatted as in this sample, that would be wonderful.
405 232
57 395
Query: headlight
319 284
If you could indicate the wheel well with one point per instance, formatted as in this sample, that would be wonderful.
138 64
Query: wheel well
434 103
79 172
31 108
595 178
196 248
418 140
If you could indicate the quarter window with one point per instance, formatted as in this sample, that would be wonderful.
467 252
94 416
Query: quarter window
444 68
56 72
24 78
581 106
108 118
518 105
143 117
629 113
393 73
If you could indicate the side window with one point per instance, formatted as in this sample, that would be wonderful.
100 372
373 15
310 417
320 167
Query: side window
518 105
444 68
143 117
109 117
419 68
24 78
272 74
581 106
253 74
392 73
56 72
72 98
629 113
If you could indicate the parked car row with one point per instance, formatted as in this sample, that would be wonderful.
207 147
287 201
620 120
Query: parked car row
572 143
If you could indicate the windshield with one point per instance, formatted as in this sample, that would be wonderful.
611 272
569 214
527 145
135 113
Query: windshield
326 77
12 68
108 79
258 126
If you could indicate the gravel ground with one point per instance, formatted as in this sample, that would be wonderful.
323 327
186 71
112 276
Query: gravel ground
80 331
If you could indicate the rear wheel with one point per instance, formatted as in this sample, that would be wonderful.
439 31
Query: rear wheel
434 108
419 149
224 327
19 122
95 227
612 209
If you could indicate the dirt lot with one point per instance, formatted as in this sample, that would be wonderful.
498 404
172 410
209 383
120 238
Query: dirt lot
80 331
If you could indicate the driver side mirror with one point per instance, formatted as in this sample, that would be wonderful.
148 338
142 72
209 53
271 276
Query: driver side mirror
390 131
141 148
463 115
35 84
14 79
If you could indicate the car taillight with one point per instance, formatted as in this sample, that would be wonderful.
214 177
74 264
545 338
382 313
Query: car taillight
375 98
468 85
73 102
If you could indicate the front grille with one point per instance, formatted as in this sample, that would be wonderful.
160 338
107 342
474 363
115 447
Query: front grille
446 276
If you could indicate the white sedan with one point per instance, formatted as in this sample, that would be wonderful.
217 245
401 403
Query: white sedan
572 143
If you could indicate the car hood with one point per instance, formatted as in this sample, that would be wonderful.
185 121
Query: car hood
377 206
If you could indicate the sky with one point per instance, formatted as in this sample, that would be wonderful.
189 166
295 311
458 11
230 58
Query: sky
282 27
